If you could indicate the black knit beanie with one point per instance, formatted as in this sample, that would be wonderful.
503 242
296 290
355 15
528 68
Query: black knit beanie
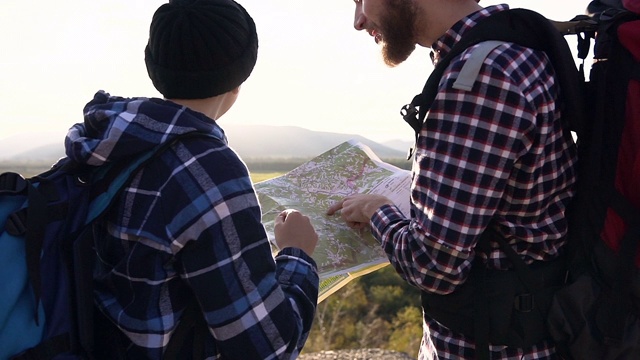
200 48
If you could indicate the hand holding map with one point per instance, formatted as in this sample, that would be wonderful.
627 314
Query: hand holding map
342 253
356 210
294 229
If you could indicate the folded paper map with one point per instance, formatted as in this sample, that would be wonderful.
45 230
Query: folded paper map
342 253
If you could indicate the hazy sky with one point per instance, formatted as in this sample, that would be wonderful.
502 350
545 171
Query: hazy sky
314 70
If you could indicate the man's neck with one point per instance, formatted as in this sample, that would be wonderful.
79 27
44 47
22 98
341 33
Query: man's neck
205 106
435 17
213 107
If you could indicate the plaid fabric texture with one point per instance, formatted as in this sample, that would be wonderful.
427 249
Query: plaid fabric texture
497 152
189 227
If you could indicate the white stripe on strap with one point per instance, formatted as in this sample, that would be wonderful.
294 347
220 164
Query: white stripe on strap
471 67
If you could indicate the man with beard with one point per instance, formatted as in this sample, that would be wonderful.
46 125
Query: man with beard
495 160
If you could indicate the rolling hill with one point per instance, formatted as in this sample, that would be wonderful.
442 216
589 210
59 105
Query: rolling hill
251 142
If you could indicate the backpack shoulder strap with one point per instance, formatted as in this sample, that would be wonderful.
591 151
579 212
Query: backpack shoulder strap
123 175
521 26
471 68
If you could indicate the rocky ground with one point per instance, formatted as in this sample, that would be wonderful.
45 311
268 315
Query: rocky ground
358 354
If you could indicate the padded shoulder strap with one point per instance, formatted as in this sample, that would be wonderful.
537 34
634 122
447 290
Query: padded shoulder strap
471 67
526 28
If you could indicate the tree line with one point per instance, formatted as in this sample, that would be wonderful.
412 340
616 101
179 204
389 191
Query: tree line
378 310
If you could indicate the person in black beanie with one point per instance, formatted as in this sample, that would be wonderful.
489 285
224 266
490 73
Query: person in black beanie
197 49
185 268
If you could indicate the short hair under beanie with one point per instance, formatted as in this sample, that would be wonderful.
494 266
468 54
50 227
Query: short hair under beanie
200 48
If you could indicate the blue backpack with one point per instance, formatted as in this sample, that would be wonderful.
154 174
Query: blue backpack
47 256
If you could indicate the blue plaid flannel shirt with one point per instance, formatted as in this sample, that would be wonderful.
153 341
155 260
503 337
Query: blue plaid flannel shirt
189 226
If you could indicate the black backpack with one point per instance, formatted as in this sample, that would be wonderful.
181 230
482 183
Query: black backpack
586 301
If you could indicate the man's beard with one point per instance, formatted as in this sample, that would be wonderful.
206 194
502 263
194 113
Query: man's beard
398 32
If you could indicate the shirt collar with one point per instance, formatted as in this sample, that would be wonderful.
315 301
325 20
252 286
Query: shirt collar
444 44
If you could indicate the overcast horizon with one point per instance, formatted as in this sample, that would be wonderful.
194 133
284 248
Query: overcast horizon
314 70
250 141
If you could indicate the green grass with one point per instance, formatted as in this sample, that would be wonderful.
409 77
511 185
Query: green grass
30 169
25 169
261 176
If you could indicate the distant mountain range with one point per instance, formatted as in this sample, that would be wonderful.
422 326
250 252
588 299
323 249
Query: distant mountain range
251 142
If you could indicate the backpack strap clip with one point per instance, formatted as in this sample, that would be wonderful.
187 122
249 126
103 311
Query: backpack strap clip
12 184
16 224
524 303
410 114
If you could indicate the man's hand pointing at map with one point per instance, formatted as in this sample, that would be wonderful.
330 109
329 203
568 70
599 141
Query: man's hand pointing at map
356 210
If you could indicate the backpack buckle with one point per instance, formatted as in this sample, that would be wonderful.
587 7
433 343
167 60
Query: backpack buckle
409 112
12 183
16 224
524 302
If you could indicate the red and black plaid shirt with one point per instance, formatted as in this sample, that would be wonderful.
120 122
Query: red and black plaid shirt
496 152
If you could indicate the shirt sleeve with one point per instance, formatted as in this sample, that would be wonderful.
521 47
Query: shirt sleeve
472 150
257 307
